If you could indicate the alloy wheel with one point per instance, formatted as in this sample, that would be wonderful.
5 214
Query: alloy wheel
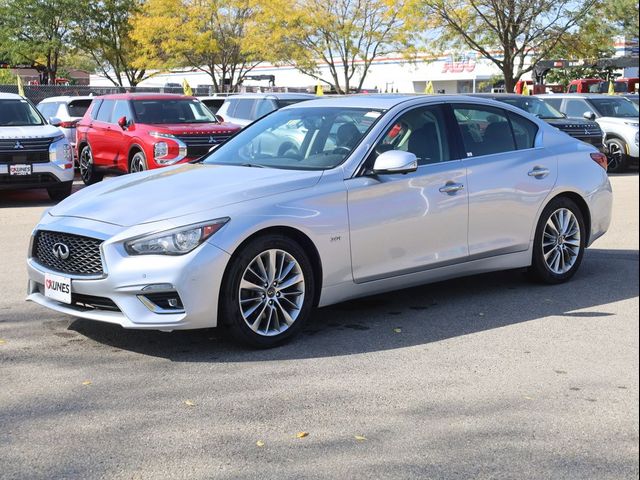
85 164
137 163
271 292
615 156
561 241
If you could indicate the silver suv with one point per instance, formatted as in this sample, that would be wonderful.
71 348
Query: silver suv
68 110
617 116
245 109
33 154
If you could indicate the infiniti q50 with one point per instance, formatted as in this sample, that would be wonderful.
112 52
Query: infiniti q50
377 193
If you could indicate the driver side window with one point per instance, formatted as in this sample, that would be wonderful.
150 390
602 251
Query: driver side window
421 131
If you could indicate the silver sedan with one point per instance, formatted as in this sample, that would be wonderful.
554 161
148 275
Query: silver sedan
378 193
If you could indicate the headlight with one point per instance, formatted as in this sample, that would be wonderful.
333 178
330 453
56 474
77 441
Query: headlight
174 242
53 150
633 124
160 149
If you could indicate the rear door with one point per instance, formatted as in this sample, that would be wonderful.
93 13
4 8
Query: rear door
508 178
98 134
117 147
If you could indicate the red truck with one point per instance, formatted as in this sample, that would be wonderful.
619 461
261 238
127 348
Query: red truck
133 132
598 85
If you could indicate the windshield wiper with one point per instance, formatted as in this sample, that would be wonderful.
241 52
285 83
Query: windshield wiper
252 165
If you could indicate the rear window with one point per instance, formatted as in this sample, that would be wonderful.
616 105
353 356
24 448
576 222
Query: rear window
77 108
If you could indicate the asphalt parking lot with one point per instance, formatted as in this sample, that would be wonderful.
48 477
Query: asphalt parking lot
489 377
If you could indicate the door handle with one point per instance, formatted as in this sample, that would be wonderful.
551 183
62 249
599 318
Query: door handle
451 187
539 172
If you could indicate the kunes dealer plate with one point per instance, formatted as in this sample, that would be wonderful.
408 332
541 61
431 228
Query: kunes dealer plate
57 288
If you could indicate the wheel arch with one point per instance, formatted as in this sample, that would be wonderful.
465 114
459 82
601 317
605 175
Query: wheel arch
294 234
133 148
580 202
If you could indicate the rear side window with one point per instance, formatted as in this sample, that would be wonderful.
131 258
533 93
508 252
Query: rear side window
524 131
104 114
48 110
95 107
243 109
77 108
485 130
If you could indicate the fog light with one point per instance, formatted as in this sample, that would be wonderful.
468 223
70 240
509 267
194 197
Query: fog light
162 302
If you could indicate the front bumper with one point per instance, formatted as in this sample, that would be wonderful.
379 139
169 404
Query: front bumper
195 277
44 175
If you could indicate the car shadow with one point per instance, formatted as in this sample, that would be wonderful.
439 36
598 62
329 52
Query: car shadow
406 318
36 197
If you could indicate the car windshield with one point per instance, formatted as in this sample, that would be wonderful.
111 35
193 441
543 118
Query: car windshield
18 113
615 107
164 111
535 106
315 138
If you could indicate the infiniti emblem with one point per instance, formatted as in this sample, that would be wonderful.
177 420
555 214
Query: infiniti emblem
60 251
18 146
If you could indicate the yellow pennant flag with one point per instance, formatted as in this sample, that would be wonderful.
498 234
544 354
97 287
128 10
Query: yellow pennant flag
186 88
319 89
429 88
612 89
20 86
525 89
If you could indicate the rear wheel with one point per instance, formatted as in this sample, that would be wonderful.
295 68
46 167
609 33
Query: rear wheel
60 192
559 243
617 156
87 168
268 292
138 162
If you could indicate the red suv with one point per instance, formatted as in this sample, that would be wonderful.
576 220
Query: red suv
135 132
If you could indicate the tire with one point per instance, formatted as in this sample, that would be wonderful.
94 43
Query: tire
551 262
268 316
60 191
87 168
138 162
617 157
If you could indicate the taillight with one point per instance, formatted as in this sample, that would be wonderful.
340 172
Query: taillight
600 159
71 124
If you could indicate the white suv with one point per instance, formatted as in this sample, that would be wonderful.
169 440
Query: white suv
617 116
68 110
247 108
33 154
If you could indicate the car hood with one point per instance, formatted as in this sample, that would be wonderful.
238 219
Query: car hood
194 128
619 120
565 123
176 191
32 131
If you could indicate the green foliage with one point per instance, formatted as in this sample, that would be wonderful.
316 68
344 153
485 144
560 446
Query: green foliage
7 77
37 31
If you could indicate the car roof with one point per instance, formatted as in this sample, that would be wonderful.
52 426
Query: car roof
496 96
575 95
9 96
144 96
67 98
277 96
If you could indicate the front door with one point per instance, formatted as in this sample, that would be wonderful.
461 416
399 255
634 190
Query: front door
402 224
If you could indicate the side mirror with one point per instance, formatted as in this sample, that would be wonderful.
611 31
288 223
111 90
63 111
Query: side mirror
55 121
395 161
122 122
589 115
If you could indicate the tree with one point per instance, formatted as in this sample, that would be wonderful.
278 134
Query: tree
35 32
7 77
511 34
345 35
206 35
103 33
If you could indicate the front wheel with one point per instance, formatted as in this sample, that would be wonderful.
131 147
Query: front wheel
268 292
617 156
138 163
60 192
559 242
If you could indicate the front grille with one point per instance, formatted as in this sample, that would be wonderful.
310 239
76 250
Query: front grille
84 253
582 131
21 156
44 179
199 145
25 144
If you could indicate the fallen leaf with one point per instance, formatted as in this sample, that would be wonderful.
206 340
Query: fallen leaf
87 382
481 314
528 398
190 403
302 434
360 438
2 342
397 330
260 443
